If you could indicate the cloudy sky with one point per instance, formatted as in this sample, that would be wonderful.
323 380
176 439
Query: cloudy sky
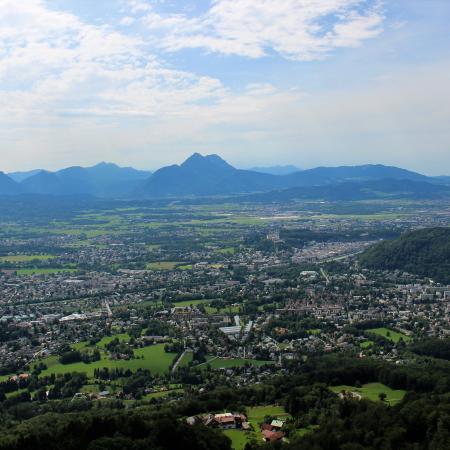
260 82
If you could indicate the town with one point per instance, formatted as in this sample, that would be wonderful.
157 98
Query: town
146 305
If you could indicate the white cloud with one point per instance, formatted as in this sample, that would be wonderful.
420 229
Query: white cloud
52 65
296 29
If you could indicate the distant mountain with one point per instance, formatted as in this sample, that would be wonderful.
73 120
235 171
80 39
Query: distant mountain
211 175
442 179
20 176
423 252
276 170
353 191
102 180
44 183
205 175
328 175
8 186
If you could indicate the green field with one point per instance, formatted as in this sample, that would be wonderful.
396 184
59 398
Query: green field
366 344
185 303
223 363
238 438
163 394
209 309
162 265
155 359
371 391
391 335
186 360
256 414
107 339
25 258
46 271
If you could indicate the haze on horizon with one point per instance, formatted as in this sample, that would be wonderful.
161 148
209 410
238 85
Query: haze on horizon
146 83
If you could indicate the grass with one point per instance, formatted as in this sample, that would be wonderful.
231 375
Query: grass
371 391
239 438
256 414
223 363
314 331
227 251
390 335
162 394
185 303
187 358
305 430
46 271
107 339
366 344
25 258
155 359
162 265
226 310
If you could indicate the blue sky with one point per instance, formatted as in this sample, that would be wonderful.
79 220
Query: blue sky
260 82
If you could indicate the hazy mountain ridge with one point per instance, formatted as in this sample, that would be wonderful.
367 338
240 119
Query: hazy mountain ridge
210 175
386 188
103 179
276 170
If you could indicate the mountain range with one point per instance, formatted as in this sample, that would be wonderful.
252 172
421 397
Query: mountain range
212 176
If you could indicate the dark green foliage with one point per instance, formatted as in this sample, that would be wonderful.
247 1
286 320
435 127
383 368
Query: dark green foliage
437 348
110 429
423 252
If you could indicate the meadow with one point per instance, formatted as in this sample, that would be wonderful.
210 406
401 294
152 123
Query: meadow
153 358
371 391
391 335
25 258
225 363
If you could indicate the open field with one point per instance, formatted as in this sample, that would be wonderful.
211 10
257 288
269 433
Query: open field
366 344
44 271
155 359
223 363
162 265
239 438
187 358
371 391
185 303
25 258
391 335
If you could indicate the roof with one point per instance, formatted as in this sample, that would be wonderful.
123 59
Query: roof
277 423
272 436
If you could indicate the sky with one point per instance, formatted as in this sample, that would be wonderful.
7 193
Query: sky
146 83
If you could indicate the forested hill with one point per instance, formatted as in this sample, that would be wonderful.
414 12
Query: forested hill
423 252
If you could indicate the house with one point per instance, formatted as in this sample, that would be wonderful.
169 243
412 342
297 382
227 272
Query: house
225 421
272 436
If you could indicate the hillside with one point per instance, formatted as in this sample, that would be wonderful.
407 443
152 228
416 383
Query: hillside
423 252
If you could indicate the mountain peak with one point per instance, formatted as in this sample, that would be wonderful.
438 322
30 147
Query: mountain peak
198 161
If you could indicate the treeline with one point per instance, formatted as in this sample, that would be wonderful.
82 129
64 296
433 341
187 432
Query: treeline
435 347
111 430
